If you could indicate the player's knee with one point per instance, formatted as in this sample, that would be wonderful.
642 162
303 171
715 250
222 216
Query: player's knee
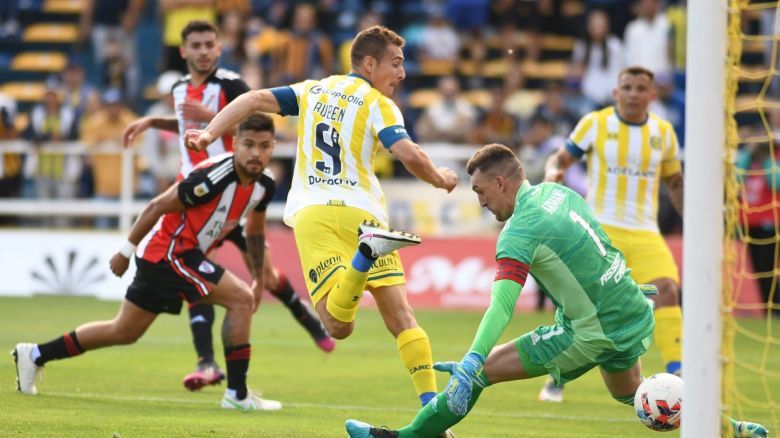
126 335
337 329
400 320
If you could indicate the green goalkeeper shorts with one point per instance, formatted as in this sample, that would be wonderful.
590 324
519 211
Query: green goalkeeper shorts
555 350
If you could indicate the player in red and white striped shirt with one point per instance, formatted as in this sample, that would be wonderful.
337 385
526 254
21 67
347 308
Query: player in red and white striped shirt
181 226
197 98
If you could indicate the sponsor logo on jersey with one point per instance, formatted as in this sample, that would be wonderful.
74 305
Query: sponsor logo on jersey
332 181
627 171
553 201
206 267
317 89
616 270
201 189
324 265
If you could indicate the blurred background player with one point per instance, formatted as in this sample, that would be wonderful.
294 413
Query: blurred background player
197 98
603 319
336 206
172 265
629 151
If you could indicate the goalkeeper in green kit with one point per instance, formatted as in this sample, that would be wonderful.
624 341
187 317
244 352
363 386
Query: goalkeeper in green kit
603 318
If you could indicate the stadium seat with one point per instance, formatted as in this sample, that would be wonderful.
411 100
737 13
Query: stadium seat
24 91
437 67
51 33
39 61
422 97
63 6
480 98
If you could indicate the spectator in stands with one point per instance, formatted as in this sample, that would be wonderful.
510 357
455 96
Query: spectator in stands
52 175
160 148
761 189
102 135
308 53
9 23
669 104
677 15
496 125
233 35
438 41
597 60
554 109
175 15
647 39
114 71
539 142
76 91
449 119
10 163
367 20
111 26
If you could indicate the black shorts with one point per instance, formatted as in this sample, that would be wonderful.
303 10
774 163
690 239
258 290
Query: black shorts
236 235
160 287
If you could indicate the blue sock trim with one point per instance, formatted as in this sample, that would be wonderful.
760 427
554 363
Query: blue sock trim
361 262
673 367
425 397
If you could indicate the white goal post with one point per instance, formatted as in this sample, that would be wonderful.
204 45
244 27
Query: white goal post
703 216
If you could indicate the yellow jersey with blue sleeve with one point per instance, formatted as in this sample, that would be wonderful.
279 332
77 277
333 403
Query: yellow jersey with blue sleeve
342 122
625 164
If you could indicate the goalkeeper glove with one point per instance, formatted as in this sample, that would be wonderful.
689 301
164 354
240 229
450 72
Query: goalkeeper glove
458 390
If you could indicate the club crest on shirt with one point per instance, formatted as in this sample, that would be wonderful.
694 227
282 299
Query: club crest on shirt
655 142
206 267
201 189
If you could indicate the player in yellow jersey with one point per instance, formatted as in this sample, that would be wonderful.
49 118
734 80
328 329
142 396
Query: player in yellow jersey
335 205
629 151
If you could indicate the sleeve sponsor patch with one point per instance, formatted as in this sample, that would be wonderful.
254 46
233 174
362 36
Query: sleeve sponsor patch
510 269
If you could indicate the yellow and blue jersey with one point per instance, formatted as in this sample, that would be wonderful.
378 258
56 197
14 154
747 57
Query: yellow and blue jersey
342 122
625 164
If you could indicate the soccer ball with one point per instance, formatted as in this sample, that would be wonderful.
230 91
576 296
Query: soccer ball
658 402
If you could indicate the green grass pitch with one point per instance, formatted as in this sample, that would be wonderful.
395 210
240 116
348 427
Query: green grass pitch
136 390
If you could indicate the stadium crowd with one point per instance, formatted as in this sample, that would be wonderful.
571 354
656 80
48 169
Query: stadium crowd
478 71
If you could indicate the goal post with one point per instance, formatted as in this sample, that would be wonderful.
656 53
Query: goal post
703 212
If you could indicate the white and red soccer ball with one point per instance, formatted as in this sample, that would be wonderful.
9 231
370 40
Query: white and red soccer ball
658 402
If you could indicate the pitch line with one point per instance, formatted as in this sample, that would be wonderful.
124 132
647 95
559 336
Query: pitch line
475 413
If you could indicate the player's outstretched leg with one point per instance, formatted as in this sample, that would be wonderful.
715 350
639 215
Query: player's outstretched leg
281 288
130 324
207 371
374 242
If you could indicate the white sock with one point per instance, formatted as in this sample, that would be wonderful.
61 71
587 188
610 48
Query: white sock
35 354
231 393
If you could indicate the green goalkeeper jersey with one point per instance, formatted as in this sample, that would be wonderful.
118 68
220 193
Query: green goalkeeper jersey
554 236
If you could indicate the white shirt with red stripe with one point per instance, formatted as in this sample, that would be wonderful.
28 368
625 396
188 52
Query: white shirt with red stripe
219 89
215 203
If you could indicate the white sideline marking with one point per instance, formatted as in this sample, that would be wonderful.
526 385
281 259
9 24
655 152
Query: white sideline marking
215 402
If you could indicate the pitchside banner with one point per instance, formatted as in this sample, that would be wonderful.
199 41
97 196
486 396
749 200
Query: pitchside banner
448 272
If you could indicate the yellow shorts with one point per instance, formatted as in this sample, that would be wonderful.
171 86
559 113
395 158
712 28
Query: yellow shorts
327 238
646 254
